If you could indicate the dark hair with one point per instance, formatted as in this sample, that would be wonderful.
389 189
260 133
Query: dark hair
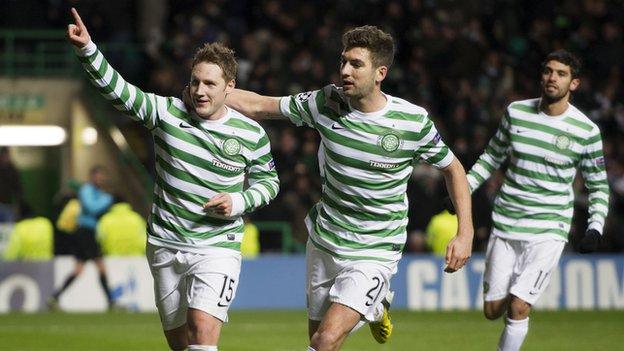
220 55
379 43
567 58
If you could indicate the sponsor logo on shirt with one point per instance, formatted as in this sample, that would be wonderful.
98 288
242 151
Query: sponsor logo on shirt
271 164
554 160
600 161
225 166
383 165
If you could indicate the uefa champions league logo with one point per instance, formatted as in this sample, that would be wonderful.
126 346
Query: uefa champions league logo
231 147
390 142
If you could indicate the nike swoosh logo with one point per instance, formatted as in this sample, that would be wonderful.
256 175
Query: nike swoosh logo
337 126
222 305
533 292
182 125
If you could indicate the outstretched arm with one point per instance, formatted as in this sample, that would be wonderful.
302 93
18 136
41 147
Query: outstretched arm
459 249
254 105
125 97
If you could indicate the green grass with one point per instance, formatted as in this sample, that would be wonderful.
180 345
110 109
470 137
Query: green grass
286 331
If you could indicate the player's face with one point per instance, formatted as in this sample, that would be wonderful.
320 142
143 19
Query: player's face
359 76
557 81
208 89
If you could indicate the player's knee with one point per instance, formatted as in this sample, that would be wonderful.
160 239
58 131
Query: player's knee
518 308
493 311
325 339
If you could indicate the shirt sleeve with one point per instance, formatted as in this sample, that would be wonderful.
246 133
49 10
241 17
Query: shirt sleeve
595 175
494 155
298 108
432 149
127 98
262 179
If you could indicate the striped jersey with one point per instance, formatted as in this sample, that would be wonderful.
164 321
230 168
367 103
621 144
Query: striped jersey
365 160
536 200
195 160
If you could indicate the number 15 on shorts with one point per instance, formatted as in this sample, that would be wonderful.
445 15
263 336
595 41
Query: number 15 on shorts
227 292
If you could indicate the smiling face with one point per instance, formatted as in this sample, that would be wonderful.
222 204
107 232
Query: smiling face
208 89
359 76
557 81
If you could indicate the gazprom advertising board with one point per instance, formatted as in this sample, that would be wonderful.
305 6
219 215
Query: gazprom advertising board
278 282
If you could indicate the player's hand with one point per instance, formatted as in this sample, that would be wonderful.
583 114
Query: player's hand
448 205
589 243
458 252
77 33
220 204
186 98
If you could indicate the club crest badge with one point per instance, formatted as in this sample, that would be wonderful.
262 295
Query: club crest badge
231 147
562 142
390 142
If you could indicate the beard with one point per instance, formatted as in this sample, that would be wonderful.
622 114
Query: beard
554 97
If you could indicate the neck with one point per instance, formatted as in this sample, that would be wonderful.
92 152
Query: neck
369 103
553 108
218 114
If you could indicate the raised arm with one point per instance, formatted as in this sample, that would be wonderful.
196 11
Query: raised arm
493 156
125 97
459 249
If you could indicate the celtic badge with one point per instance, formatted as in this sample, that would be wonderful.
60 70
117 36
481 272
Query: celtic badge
231 147
562 142
390 142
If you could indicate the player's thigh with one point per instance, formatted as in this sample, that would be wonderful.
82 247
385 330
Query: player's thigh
361 287
500 259
212 284
169 287
540 259
321 271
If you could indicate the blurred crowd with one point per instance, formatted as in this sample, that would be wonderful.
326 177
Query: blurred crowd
463 61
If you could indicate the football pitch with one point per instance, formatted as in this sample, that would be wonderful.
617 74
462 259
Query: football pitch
286 331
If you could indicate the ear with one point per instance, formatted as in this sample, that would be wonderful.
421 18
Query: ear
574 84
229 87
380 74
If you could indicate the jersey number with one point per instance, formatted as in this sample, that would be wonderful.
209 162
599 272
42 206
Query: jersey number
227 292
378 287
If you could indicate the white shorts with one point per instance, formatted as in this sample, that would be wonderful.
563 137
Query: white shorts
185 280
360 285
520 268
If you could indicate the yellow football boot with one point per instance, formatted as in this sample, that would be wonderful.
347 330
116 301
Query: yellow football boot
382 329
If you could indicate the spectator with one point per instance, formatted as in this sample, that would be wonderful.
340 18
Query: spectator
121 231
31 238
10 187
